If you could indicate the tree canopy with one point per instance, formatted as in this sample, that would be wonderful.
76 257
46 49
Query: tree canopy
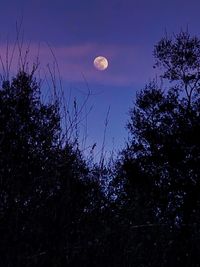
54 209
161 159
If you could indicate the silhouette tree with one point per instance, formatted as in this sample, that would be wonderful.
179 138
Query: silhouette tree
54 210
161 159
46 194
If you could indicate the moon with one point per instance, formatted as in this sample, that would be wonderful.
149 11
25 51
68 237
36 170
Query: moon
100 63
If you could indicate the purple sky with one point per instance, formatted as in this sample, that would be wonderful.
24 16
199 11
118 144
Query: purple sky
124 31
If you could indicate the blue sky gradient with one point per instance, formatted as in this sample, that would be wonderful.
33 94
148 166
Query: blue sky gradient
125 31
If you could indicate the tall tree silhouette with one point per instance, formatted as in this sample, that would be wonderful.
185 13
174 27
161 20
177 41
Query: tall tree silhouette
46 195
164 146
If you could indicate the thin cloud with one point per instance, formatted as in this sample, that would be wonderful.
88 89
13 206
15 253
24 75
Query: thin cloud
127 64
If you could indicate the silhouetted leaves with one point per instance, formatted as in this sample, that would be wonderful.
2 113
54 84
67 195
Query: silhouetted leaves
58 210
44 191
160 166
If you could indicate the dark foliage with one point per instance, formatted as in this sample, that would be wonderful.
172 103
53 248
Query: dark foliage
159 170
45 195
57 211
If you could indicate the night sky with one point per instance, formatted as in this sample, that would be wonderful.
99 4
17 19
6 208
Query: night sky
124 31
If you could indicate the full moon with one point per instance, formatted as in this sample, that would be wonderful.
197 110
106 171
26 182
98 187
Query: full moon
100 63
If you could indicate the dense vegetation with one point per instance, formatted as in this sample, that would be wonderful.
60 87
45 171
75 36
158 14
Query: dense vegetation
53 208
